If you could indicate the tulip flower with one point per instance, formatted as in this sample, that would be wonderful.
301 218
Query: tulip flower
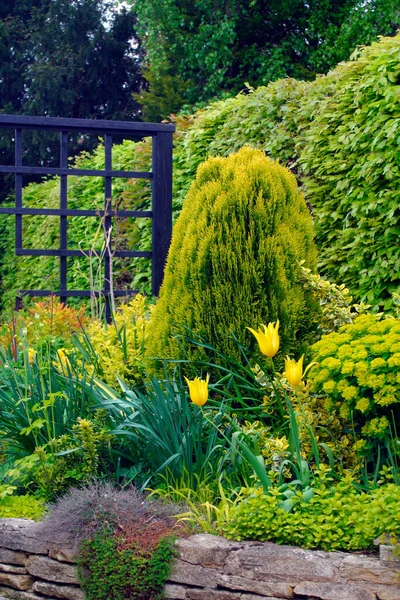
198 390
268 340
294 370
31 355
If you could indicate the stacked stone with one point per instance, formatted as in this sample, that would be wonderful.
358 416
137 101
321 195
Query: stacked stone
32 568
207 568
212 568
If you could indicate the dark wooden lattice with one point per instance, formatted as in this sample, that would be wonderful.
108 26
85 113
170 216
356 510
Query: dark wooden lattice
160 176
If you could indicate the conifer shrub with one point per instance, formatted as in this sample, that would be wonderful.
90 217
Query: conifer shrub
234 259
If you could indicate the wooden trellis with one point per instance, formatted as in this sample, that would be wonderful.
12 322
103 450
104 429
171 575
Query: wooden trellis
160 176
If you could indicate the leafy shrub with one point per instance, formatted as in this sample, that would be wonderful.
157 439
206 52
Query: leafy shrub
75 458
119 347
82 512
234 258
336 517
21 507
335 300
137 563
359 372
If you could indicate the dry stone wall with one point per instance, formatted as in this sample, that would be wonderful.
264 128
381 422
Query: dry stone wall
206 568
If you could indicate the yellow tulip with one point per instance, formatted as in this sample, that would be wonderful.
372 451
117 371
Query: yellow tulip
62 355
268 340
198 390
31 355
294 370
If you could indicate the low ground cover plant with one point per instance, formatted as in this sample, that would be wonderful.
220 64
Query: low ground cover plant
20 507
336 516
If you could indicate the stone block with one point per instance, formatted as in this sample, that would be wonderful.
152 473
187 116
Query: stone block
51 570
189 574
269 562
370 570
22 535
263 588
19 595
207 550
67 592
386 592
12 557
18 582
13 569
328 591
386 555
212 595
174 592
64 554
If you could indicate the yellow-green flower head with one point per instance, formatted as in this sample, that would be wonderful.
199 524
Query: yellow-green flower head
268 340
198 390
294 370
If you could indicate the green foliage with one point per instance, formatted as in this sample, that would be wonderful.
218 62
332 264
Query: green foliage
339 134
41 399
234 256
124 538
351 162
335 301
173 436
217 47
21 507
336 517
57 59
117 568
163 93
117 349
359 372
71 459
44 323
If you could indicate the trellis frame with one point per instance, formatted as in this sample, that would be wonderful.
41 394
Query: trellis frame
160 176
